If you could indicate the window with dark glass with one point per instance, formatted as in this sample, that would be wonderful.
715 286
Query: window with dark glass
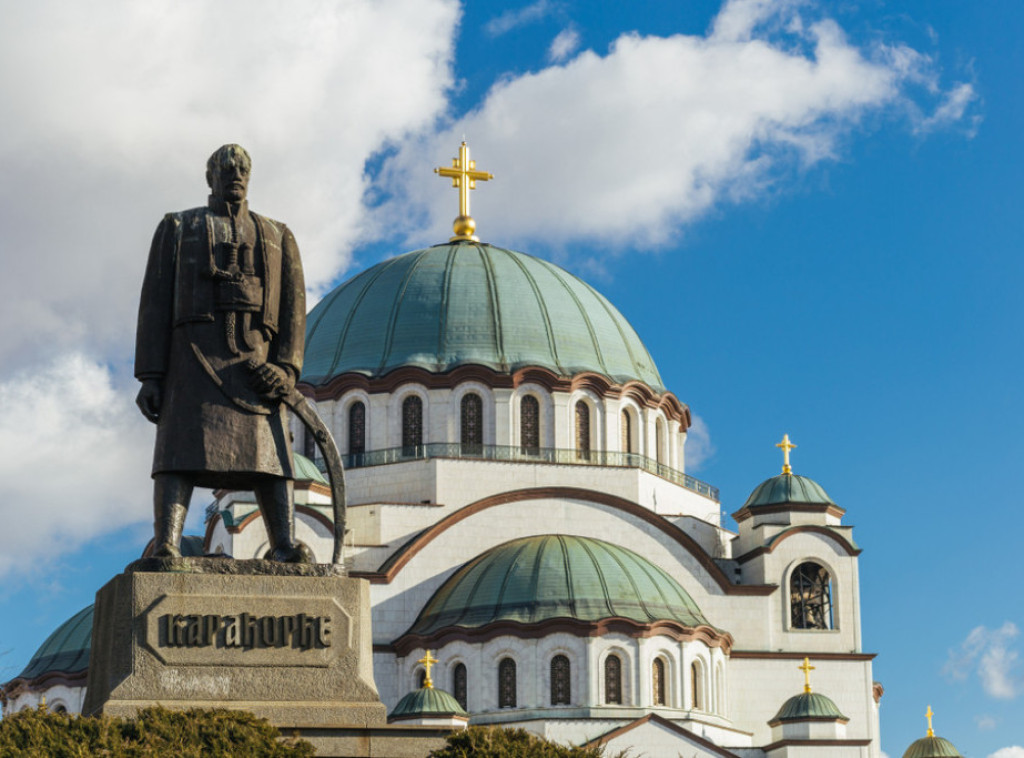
412 424
696 684
627 433
357 428
472 424
560 680
308 444
658 681
582 430
507 683
613 680
460 686
810 597
529 425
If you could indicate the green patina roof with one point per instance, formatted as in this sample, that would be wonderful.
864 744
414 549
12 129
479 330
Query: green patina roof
808 705
306 470
466 303
535 579
932 747
427 702
66 650
788 488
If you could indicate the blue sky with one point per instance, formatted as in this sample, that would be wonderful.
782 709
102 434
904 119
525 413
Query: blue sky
809 211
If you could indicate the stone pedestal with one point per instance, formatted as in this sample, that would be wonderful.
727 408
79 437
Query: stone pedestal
289 643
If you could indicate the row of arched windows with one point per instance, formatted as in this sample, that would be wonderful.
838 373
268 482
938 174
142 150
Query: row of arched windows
560 681
471 414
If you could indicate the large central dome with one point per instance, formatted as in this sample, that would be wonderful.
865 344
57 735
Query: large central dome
469 303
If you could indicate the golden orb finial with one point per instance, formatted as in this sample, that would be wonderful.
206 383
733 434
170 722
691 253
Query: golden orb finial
464 176
786 446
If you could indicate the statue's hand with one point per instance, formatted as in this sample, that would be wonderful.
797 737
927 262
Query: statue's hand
150 399
272 381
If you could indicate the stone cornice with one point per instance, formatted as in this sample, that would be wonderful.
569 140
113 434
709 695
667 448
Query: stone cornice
746 512
839 539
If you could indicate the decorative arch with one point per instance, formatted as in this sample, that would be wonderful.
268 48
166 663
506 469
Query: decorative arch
659 681
612 679
698 702
560 678
460 685
507 684
583 429
810 596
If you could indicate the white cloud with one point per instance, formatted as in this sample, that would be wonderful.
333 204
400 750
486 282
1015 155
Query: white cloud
699 447
1015 751
985 723
513 19
111 109
631 145
564 45
75 457
990 654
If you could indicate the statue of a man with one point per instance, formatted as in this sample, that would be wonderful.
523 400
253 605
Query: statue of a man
220 339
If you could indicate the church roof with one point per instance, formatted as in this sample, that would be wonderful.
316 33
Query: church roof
466 303
808 705
932 747
788 488
66 650
557 576
426 702
306 470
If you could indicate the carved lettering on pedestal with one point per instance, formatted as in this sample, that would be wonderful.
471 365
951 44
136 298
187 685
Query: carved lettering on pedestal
243 630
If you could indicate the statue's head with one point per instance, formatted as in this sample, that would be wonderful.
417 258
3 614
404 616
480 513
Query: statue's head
227 173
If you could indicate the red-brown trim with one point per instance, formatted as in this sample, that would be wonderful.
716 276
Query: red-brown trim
668 403
706 634
46 680
783 536
574 493
662 721
758 510
791 656
816 743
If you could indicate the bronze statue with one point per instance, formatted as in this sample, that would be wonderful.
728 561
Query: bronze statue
219 348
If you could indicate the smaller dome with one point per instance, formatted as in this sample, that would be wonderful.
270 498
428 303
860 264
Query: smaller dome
808 705
66 650
932 747
788 488
306 470
427 702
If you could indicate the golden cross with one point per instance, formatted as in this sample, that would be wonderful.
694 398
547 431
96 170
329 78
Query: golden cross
428 660
807 668
928 714
464 176
786 446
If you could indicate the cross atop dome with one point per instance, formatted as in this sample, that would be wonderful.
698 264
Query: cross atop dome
464 176
807 668
428 661
928 715
786 446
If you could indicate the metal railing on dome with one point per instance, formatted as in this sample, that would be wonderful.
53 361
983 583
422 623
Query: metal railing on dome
517 454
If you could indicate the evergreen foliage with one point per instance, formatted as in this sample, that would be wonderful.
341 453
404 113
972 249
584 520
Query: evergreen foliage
154 733
495 742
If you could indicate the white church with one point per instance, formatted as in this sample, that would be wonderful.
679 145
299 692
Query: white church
519 503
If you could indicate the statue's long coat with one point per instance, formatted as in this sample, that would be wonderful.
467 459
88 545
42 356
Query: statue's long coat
221 435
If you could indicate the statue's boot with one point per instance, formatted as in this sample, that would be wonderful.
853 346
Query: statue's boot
278 510
171 495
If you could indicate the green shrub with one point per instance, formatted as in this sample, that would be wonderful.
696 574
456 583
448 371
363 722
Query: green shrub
495 742
153 733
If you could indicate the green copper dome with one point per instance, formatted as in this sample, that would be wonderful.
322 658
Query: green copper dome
66 650
788 488
306 470
932 747
426 702
535 579
808 705
467 303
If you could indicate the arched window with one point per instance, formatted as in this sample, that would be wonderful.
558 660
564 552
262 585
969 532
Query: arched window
308 444
421 678
627 432
720 689
659 441
472 424
357 428
658 681
613 680
507 683
582 431
529 425
810 597
460 685
412 425
59 708
696 686
560 687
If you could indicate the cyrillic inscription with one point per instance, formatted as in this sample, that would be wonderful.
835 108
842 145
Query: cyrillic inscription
299 631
